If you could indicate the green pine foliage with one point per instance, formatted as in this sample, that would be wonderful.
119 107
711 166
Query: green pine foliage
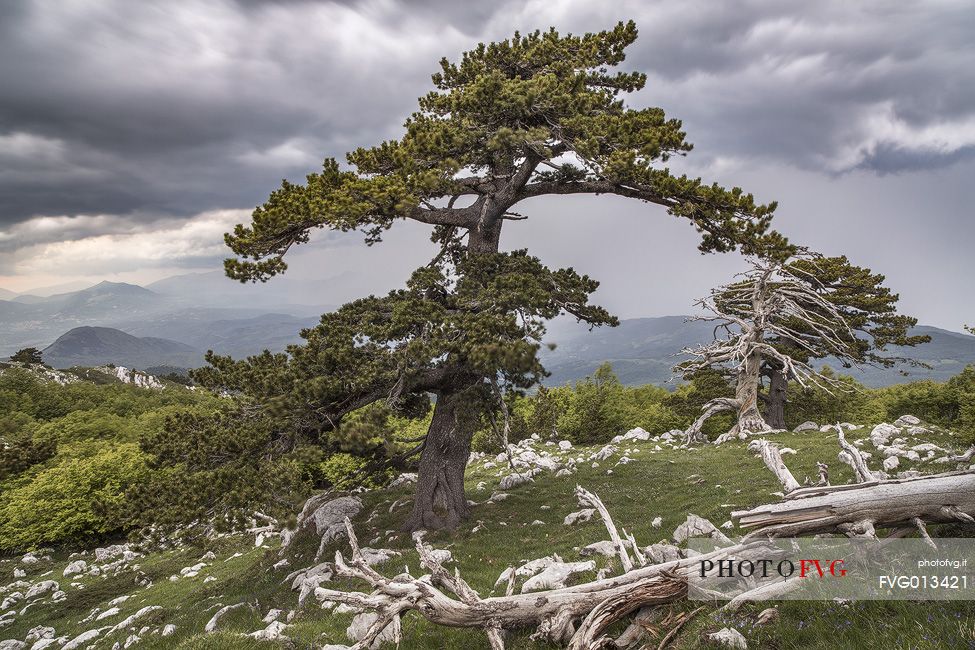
532 99
28 356
534 115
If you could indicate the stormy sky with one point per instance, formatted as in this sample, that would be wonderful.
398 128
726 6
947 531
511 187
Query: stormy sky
133 134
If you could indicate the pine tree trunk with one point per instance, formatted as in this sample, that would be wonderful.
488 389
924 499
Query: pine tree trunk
775 406
440 500
750 420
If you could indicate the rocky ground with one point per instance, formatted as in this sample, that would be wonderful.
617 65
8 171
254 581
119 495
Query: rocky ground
266 587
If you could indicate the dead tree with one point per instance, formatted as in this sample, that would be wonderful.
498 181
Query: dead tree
770 301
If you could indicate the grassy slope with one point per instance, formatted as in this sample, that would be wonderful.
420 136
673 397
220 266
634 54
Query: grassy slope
709 481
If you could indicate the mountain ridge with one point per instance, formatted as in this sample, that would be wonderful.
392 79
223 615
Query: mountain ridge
96 346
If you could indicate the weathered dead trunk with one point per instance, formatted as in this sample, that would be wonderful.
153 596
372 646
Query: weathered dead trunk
777 396
865 506
694 432
750 420
773 460
440 500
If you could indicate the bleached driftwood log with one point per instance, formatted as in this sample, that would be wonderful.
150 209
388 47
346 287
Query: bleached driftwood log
773 460
854 458
578 615
862 507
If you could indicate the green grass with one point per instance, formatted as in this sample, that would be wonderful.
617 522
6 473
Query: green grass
709 481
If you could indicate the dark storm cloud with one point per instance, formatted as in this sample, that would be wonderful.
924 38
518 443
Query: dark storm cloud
135 133
181 107
828 86
178 107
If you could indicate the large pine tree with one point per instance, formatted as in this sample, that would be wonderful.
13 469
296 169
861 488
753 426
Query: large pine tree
535 115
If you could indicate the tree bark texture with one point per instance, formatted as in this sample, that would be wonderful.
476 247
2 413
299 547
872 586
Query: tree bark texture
750 420
440 500
777 396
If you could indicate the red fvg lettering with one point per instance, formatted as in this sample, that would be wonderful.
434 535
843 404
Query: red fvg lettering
835 568
804 566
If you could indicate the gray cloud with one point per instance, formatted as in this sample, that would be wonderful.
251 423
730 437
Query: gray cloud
123 119
185 106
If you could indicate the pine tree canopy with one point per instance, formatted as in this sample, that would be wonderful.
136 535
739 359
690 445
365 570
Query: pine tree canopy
531 116
534 115
867 306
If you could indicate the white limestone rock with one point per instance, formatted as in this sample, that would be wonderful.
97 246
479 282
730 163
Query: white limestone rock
39 632
377 556
882 433
729 637
361 624
554 575
696 526
407 478
80 640
661 553
41 588
605 548
272 632
76 567
112 611
328 515
579 516
110 552
220 613
514 480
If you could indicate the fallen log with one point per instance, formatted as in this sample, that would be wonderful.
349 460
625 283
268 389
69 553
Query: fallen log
772 457
579 615
554 614
938 498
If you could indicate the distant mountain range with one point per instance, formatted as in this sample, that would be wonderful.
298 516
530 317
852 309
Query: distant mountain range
174 321
198 310
643 350
96 346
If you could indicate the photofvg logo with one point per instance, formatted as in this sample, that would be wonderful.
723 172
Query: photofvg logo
824 569
768 568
